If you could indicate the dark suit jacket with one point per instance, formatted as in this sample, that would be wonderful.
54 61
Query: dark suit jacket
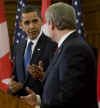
44 51
70 79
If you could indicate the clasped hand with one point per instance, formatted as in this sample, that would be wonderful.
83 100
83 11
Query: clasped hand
36 71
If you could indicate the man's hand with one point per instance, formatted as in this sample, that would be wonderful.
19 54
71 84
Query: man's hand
36 71
15 86
31 99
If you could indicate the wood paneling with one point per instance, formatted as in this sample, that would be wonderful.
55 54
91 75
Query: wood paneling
10 15
91 17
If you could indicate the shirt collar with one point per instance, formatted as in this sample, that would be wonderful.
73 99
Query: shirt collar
64 37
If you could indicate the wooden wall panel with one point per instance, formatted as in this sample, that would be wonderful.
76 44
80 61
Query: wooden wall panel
10 6
10 15
91 17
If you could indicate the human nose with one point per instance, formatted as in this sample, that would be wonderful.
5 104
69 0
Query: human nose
31 25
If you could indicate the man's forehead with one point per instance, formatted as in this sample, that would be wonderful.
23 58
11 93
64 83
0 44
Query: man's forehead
34 18
30 15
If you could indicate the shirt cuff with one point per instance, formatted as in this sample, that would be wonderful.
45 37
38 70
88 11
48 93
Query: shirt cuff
38 99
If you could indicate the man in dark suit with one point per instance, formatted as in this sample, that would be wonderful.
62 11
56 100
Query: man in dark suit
70 80
42 49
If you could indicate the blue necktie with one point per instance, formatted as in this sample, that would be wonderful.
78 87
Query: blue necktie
27 56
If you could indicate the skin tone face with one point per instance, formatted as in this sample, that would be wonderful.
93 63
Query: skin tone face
31 24
51 30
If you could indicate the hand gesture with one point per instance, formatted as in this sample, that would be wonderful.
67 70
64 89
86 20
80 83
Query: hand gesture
15 86
31 98
36 71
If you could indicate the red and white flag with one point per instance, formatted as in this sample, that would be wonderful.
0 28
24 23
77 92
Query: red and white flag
5 64
45 5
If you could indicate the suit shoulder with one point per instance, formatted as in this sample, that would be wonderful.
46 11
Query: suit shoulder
21 45
23 42
50 41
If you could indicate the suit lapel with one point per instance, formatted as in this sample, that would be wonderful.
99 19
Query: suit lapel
38 50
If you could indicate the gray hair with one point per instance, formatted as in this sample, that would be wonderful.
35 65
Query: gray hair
63 16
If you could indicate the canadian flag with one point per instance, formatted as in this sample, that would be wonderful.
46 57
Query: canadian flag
5 64
45 5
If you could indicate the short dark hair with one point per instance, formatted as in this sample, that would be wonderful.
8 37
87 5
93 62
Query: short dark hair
30 8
